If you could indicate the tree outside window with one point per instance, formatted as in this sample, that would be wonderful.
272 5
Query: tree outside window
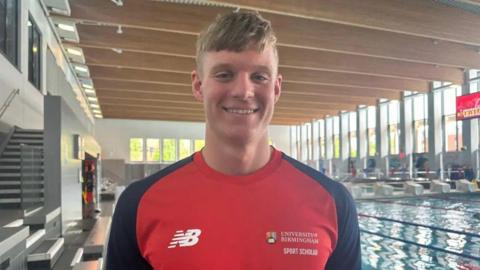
153 150
136 149
169 147
185 146
198 145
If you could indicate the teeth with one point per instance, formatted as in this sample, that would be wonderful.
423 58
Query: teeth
241 111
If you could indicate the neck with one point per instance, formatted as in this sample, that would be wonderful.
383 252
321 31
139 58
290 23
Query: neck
236 159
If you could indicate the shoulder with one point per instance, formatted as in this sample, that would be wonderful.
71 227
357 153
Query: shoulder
131 196
334 188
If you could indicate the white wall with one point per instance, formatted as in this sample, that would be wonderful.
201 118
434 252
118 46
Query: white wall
113 135
27 109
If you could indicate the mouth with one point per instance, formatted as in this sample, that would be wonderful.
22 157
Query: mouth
240 110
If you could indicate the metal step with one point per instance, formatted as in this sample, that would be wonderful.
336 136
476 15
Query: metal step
3 167
17 174
35 239
28 131
27 135
46 255
26 141
4 159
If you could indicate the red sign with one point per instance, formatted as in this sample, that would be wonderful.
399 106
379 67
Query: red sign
468 106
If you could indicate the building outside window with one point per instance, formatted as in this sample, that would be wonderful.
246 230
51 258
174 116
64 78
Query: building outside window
452 128
184 148
420 123
153 150
352 134
336 137
169 147
371 133
393 127
136 149
34 53
9 30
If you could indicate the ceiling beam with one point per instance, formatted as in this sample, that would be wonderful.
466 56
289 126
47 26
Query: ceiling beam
199 108
293 75
194 118
315 60
286 97
325 105
420 18
301 35
288 88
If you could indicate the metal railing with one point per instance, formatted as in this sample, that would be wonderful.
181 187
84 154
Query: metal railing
31 176
8 101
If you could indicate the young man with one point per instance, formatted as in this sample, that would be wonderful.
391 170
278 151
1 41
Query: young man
239 204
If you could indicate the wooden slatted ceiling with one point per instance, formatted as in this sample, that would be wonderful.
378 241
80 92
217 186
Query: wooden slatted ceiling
333 58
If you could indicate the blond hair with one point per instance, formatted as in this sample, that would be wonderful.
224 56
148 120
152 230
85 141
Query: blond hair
236 31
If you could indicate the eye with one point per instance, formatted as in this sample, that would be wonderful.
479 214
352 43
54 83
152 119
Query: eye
260 77
223 75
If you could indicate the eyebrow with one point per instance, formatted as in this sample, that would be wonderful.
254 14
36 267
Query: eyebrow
223 66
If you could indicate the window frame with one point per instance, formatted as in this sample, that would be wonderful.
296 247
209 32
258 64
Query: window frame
13 58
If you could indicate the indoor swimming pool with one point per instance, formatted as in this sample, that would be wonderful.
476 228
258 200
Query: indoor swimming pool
441 232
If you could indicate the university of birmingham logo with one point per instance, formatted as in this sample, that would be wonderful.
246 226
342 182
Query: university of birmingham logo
271 237
185 239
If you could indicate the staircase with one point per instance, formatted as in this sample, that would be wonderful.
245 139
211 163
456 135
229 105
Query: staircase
21 170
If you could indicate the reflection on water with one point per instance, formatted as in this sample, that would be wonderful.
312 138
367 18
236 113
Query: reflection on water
392 244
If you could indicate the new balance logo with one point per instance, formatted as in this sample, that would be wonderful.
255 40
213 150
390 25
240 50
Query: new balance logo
187 239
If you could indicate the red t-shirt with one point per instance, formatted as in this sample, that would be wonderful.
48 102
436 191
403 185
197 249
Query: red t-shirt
189 216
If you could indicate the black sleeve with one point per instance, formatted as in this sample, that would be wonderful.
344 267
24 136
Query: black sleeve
123 251
347 255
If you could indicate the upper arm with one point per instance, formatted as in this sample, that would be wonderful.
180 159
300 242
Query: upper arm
123 251
347 255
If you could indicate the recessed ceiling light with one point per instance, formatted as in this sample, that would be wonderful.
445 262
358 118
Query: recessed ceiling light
81 69
98 116
96 111
87 86
66 27
92 99
89 91
95 106
74 52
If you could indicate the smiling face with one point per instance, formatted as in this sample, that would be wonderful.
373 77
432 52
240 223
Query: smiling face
239 91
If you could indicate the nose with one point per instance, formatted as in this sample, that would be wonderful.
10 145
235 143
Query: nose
243 87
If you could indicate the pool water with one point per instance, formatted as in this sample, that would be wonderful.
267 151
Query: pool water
438 232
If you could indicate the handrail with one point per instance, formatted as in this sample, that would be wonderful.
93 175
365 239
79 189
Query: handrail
8 101
7 139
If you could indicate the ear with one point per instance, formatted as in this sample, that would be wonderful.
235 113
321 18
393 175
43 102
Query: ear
278 87
197 86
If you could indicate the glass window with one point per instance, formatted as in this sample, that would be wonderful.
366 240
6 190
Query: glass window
336 137
169 147
304 143
393 131
34 53
322 138
452 128
316 141
420 124
371 124
198 145
153 150
352 134
184 147
9 30
394 135
136 149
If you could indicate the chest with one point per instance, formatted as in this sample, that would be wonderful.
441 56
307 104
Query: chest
239 230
